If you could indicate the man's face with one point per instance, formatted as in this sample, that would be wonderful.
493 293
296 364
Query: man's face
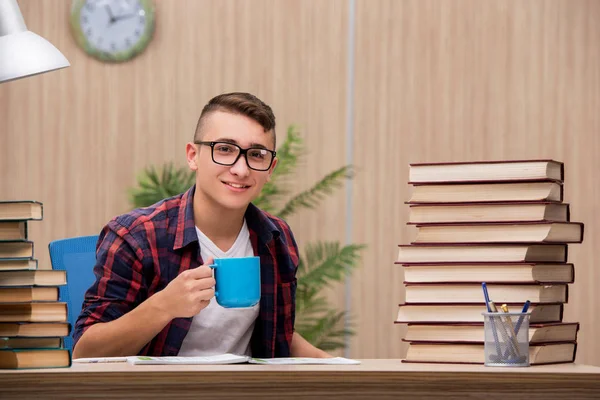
234 186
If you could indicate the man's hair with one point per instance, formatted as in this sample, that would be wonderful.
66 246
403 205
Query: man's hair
242 104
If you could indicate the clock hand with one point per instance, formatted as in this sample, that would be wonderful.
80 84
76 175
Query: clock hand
112 18
126 16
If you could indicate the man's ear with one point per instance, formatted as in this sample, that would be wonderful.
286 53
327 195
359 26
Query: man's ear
191 151
272 169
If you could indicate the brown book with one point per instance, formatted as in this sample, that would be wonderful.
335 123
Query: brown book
481 253
14 264
30 343
472 293
38 277
28 294
490 272
16 249
474 333
445 313
21 210
544 191
486 171
33 312
488 212
34 358
460 353
34 329
501 232
13 230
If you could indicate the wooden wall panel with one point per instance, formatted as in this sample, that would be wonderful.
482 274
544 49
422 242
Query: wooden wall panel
75 139
470 80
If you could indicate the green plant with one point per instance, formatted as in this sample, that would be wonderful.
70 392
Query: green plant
153 186
321 264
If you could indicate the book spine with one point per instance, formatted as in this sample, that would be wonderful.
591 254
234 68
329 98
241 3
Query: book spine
562 193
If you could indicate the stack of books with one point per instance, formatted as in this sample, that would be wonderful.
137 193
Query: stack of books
499 222
33 322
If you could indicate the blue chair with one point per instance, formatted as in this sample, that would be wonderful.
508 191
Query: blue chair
77 256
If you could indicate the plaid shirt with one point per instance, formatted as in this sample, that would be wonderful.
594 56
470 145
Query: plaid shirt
140 252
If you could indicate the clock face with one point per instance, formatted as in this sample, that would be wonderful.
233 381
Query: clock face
113 30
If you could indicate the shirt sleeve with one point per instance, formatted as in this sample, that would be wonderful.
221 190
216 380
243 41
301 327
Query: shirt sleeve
295 257
119 285
286 294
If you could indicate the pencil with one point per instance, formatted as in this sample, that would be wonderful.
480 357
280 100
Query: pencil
512 335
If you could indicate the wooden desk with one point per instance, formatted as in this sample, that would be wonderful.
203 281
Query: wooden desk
372 379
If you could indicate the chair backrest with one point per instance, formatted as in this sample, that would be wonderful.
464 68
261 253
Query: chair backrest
77 256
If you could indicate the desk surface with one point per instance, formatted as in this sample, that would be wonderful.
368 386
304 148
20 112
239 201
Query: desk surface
381 378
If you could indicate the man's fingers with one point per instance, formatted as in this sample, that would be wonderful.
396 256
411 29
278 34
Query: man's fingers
206 295
203 271
204 283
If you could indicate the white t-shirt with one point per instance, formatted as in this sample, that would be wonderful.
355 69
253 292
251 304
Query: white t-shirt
218 330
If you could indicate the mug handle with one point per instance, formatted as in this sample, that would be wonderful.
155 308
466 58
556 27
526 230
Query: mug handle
214 266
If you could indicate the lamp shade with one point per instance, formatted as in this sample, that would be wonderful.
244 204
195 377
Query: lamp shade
22 52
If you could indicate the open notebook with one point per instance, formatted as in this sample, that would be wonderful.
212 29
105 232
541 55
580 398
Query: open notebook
236 359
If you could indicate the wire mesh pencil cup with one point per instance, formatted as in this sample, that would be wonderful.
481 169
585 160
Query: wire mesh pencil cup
506 339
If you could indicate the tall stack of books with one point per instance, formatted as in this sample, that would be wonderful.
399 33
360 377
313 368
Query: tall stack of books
499 222
33 322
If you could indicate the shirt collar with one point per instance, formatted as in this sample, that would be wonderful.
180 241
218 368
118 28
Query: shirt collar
257 221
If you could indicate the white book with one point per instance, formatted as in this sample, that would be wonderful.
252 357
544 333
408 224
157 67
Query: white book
216 359
236 359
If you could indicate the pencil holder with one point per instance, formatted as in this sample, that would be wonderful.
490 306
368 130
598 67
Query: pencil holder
506 339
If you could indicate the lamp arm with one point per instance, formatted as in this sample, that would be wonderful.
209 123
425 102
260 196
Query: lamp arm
11 19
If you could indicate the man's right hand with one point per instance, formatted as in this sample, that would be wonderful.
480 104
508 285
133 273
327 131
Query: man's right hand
184 296
189 293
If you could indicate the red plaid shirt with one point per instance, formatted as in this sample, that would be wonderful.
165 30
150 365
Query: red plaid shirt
140 252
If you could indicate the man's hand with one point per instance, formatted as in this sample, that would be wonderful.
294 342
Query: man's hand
302 348
184 296
189 293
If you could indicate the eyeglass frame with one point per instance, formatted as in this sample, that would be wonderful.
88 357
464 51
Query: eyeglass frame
242 152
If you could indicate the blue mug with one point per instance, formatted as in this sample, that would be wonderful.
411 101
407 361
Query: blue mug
237 281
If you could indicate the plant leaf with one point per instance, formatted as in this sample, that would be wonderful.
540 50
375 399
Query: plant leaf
311 197
323 331
288 155
327 262
154 186
310 305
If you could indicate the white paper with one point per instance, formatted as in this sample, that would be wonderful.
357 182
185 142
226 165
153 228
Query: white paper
304 360
216 359
94 360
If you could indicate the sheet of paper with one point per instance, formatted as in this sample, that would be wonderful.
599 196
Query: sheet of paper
304 360
216 359
94 360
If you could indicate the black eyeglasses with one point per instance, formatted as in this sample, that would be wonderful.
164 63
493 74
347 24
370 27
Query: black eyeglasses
225 153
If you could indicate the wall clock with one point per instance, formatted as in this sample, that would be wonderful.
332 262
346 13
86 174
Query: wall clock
113 30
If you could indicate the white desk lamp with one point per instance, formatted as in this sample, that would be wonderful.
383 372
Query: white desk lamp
22 52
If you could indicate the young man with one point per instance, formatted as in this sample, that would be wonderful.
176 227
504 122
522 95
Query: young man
153 293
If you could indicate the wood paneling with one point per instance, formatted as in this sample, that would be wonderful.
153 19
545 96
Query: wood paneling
470 80
76 139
